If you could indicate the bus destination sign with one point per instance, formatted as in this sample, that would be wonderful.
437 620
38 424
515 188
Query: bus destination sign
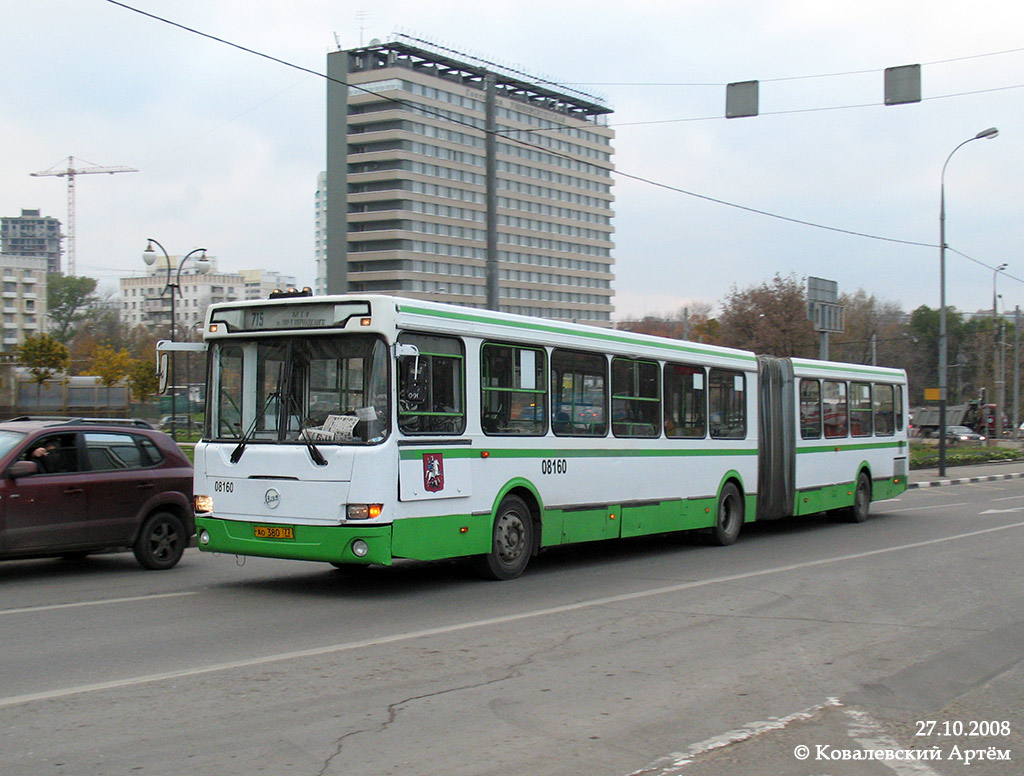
307 316
287 315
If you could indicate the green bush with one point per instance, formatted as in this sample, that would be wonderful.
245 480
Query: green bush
927 456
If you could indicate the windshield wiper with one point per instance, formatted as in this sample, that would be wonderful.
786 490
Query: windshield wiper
314 452
291 407
239 451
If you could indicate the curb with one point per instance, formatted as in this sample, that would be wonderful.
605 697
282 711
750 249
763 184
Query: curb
965 480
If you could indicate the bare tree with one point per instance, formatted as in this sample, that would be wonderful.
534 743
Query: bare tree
770 318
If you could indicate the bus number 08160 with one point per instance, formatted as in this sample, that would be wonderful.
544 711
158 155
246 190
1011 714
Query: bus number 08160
553 466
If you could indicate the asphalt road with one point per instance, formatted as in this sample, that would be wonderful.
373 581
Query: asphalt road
900 640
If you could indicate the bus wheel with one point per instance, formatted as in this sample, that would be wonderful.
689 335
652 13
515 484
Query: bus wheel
730 517
511 543
858 513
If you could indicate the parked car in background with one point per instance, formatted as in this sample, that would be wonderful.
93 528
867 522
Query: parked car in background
180 421
71 487
962 434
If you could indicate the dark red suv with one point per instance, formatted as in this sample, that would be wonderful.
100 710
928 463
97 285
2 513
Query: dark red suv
70 487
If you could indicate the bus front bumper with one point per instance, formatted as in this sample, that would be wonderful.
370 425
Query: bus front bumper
356 544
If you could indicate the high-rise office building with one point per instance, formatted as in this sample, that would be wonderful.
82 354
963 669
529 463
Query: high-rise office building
320 236
406 184
32 235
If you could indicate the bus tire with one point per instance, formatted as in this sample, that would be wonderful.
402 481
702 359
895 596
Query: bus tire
511 541
858 513
729 518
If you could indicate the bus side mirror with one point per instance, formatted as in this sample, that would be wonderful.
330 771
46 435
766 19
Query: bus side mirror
403 349
161 372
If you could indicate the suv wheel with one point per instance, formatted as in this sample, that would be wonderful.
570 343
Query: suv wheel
161 541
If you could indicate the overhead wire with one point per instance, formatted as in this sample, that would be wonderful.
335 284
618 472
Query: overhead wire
641 179
868 71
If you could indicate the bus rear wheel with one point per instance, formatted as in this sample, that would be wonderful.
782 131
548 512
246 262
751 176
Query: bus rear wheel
511 541
730 517
858 513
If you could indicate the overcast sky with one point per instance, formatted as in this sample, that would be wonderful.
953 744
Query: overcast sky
228 145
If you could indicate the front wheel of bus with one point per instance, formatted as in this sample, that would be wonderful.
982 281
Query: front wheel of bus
511 542
730 516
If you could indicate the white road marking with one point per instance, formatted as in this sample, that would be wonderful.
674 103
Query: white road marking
332 649
932 506
867 732
100 602
673 763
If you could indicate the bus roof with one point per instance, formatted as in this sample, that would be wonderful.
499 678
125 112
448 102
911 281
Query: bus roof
439 317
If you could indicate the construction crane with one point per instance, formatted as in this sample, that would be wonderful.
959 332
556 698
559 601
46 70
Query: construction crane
69 172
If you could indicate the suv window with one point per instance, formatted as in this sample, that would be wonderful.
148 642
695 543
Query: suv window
55 453
108 451
151 453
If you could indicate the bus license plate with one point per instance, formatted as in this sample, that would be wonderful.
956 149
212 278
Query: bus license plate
274 531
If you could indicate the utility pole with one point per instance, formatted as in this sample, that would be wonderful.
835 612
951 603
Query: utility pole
69 172
491 191
1016 373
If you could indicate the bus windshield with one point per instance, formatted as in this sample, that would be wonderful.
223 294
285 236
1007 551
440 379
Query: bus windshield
322 389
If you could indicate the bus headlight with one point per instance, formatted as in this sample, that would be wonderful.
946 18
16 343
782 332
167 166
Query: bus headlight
202 504
360 548
204 537
364 511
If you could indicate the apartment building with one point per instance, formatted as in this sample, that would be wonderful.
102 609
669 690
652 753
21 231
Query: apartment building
260 283
32 234
23 291
146 300
406 182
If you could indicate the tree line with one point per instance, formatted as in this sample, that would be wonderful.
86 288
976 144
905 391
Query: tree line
771 318
87 337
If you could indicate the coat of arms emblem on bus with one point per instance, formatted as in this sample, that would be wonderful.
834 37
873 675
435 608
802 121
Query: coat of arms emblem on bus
433 472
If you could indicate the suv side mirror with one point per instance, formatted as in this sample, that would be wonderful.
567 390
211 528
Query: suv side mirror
22 469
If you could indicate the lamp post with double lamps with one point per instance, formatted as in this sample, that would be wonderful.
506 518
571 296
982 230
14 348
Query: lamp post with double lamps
989 133
174 286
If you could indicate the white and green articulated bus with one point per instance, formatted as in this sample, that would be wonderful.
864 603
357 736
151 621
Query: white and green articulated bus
362 429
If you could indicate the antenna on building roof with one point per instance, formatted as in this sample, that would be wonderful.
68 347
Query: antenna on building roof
337 41
361 16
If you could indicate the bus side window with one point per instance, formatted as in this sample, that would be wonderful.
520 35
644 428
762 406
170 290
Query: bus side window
431 386
513 390
884 410
579 393
835 409
861 409
636 399
728 403
686 410
810 409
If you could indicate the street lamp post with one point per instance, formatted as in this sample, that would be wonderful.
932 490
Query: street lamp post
997 417
174 286
991 132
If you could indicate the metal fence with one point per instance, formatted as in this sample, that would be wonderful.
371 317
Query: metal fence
71 396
